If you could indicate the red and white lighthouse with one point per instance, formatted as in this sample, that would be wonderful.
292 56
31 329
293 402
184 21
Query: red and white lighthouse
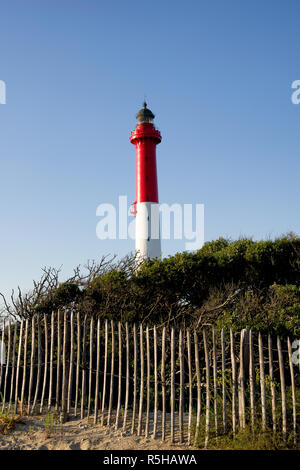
146 208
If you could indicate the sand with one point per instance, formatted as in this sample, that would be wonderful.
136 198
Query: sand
77 434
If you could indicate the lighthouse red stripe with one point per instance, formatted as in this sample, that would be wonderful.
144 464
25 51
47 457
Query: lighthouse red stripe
145 138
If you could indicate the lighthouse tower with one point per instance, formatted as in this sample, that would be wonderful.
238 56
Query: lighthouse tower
146 209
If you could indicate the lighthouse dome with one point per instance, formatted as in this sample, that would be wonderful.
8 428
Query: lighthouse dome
145 114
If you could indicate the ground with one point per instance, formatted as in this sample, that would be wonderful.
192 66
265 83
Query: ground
45 433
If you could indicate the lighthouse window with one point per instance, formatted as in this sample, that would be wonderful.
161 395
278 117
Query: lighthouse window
147 178
146 158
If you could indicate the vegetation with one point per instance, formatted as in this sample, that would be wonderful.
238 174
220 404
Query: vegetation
52 425
8 422
232 284
246 439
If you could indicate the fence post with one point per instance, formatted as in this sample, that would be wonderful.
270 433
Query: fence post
198 386
71 362
190 385
241 379
262 382
39 365
172 382
163 383
223 380
148 382
105 372
134 377
181 390
13 367
64 392
18 365
24 364
120 376
127 378
90 364
207 421
282 384
97 372
215 379
45 362
31 363
155 384
272 384
83 374
2 352
112 365
58 360
233 371
77 364
293 389
7 366
51 361
142 382
251 379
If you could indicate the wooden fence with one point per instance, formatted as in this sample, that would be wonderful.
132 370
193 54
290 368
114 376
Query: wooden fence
179 385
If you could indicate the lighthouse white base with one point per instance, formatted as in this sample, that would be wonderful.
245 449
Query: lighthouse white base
147 241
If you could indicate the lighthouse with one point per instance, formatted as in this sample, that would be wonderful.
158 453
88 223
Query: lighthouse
146 208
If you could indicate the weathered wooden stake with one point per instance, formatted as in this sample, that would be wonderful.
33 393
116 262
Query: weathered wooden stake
18 366
77 363
163 382
13 367
45 363
105 372
172 384
39 367
215 379
97 372
241 383
31 363
64 391
207 367
91 364
282 384
148 382
7 365
155 384
181 390
140 420
127 378
2 353
134 377
272 383
293 390
83 373
223 380
70 384
251 379
188 335
198 375
233 370
58 352
262 382
24 365
120 376
111 391
51 361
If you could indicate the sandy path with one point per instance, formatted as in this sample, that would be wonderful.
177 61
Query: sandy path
77 434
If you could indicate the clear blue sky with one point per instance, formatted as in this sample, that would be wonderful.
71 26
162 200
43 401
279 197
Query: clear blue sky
218 76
